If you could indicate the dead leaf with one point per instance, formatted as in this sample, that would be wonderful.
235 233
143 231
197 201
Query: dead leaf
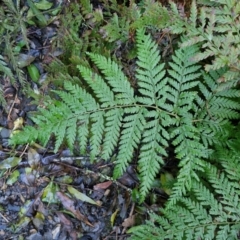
129 222
68 203
113 217
67 225
33 158
64 220
10 162
80 195
18 123
129 178
49 193
102 185
56 231
38 220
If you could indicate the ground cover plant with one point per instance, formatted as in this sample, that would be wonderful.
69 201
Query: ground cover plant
184 105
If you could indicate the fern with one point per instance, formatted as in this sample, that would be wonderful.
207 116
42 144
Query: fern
14 18
13 24
166 109
209 210
8 73
218 31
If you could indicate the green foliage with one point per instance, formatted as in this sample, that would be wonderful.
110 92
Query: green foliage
209 210
179 106
214 24
217 29
12 23
187 103
12 19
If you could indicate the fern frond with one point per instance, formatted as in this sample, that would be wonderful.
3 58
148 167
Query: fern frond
153 16
116 79
179 106
100 88
208 210
13 60
155 140
150 72
97 130
5 69
112 131
133 125
117 29
215 31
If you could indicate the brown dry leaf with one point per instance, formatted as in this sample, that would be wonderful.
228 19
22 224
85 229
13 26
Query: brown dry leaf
129 222
33 158
68 203
39 206
68 226
102 185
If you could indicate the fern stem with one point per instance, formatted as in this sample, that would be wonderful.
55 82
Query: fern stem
131 105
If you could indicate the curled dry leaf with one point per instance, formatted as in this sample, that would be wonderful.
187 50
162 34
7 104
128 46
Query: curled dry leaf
129 222
68 226
102 185
68 203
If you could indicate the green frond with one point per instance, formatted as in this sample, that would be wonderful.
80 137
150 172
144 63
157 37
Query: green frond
133 125
180 105
155 140
116 79
81 97
71 132
150 72
5 69
153 16
97 130
100 88
209 210
112 131
60 129
183 75
83 133
117 29
193 13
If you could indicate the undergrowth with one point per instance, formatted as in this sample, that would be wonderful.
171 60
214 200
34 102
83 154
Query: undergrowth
190 103
11 19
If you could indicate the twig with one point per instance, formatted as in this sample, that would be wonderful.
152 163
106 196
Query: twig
4 218
25 149
10 111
